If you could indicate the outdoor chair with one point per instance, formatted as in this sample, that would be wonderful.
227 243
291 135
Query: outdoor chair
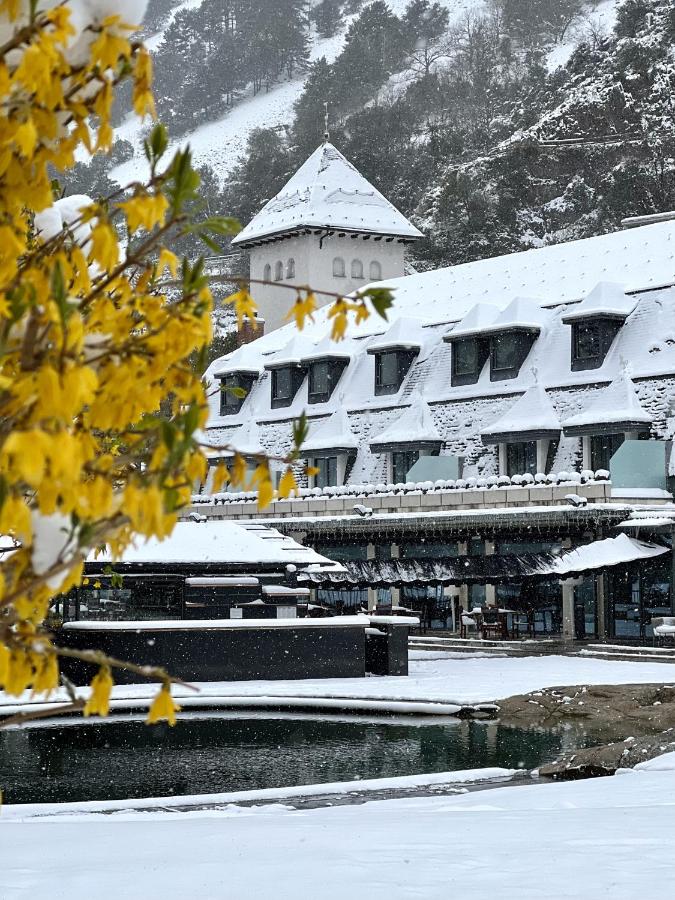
467 622
664 629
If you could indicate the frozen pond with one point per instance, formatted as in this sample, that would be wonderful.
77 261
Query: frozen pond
212 753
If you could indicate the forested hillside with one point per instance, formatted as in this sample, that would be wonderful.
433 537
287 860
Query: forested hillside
496 125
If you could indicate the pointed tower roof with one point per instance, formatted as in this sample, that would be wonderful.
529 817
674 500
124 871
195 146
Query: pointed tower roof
415 426
616 408
333 434
532 415
327 192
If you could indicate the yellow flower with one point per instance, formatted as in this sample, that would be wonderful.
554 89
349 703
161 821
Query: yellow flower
98 703
288 484
163 708
104 249
47 676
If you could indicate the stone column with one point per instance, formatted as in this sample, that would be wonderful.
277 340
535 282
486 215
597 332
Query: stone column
395 592
601 597
372 592
490 590
568 609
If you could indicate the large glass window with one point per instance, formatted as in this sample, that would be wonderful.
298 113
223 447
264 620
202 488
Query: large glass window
430 550
402 463
521 457
285 384
507 354
587 344
391 367
323 376
327 474
465 357
603 448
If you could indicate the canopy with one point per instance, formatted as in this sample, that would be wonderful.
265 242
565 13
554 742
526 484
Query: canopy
489 569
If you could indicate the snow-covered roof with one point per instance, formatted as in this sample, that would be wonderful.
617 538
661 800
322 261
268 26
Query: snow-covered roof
327 348
246 358
479 317
617 403
327 191
521 313
607 552
404 333
296 350
247 438
333 433
223 542
414 426
606 299
533 412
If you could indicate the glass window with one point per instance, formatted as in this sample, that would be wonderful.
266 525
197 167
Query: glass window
282 384
230 403
386 370
357 268
290 268
603 448
267 272
327 474
278 271
338 267
402 462
587 344
430 550
375 271
323 376
506 353
465 357
521 457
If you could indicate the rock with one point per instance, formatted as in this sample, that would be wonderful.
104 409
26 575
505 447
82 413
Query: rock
607 758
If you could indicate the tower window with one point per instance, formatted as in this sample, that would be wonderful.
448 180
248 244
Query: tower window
290 268
375 271
278 271
357 268
267 272
338 267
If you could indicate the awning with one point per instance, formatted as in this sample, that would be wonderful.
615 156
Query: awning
488 569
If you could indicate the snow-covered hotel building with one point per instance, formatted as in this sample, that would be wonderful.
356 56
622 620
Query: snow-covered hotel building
503 439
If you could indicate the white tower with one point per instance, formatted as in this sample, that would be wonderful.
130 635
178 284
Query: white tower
327 228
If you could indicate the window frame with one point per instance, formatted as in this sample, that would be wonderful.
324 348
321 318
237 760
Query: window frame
290 268
403 362
329 470
267 272
295 374
241 380
356 269
339 268
525 450
278 270
606 330
612 441
407 457
375 270
523 343
334 369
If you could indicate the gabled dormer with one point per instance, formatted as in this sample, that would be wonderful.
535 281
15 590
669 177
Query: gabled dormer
394 353
595 322
237 373
512 336
412 434
470 344
287 371
330 449
325 365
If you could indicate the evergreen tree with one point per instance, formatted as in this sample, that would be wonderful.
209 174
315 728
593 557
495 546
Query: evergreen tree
327 16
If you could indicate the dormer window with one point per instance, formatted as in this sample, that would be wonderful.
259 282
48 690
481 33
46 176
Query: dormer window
391 367
591 340
324 375
234 388
468 358
508 352
286 381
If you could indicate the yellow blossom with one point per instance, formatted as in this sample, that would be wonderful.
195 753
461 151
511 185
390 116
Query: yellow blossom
163 708
98 703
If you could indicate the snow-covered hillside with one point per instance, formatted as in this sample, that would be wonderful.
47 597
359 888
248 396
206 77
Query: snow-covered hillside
220 142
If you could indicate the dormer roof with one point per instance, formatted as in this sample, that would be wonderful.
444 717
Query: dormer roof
522 314
246 439
332 434
477 319
617 407
415 427
327 192
404 333
245 359
532 416
327 348
293 354
607 300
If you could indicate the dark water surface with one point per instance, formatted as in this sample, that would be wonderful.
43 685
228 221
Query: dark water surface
211 753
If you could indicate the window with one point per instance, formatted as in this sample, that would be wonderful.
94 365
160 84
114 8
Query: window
285 384
233 391
521 457
391 367
278 271
603 448
591 341
468 358
375 271
402 462
267 272
508 352
327 476
357 268
290 268
338 267
323 376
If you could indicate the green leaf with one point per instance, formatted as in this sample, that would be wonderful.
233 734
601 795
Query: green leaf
381 300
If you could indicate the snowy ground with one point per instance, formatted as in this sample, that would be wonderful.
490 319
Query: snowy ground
442 679
610 837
